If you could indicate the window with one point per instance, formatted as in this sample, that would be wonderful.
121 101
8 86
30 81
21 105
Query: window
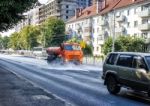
145 35
111 59
67 11
128 12
138 62
128 24
135 10
97 49
135 23
125 60
97 30
67 6
93 30
66 17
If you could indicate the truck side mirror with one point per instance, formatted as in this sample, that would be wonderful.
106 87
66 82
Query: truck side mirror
61 46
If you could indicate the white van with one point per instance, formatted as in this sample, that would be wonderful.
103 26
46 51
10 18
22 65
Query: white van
39 51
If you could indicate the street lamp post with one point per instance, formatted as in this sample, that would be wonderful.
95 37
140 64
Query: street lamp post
114 34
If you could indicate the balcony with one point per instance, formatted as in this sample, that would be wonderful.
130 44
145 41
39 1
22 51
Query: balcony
120 18
145 13
100 41
102 32
144 27
103 22
120 29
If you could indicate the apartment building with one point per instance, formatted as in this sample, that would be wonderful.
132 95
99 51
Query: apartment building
83 3
127 18
112 18
85 25
62 9
31 18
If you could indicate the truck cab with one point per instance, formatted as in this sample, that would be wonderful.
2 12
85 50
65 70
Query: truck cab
68 52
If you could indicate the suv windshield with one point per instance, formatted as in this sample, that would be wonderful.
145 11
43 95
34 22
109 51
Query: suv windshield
72 47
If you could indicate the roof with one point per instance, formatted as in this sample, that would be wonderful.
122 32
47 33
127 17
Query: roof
118 4
91 11
124 3
110 5
133 53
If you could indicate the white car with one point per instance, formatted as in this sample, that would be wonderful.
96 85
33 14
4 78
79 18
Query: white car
39 52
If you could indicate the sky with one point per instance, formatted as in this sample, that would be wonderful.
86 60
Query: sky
42 1
8 33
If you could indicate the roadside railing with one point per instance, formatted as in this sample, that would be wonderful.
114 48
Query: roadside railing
90 60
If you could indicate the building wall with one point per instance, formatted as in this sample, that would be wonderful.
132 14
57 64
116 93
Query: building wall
89 30
128 21
61 9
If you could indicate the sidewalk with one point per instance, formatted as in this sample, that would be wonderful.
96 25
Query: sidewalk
15 91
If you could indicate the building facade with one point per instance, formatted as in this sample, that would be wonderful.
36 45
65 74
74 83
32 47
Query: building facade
85 25
62 9
31 18
113 18
83 3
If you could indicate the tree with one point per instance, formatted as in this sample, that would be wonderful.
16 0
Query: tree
53 31
87 49
14 41
74 40
107 46
11 11
124 44
1 42
5 42
29 36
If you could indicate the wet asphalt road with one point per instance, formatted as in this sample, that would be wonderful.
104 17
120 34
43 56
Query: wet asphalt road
79 85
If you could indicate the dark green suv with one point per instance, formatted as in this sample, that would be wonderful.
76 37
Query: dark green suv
126 69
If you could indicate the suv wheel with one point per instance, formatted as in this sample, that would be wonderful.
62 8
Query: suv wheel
148 93
112 86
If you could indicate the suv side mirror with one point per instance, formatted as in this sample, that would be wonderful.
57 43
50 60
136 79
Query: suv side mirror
141 70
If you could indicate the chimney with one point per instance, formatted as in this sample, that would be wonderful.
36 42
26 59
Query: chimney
133 0
97 6
100 5
77 12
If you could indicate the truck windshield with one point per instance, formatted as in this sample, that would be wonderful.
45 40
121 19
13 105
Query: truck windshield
72 47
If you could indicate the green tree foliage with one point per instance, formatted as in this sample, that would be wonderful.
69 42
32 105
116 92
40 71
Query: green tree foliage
87 49
27 38
124 44
74 40
107 46
14 41
11 11
53 31
5 41
1 42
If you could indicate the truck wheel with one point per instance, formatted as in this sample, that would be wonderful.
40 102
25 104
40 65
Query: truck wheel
112 86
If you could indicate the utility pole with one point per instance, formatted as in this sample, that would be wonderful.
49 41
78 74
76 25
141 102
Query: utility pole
114 34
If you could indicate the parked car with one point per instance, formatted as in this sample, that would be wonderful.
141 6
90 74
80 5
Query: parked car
127 69
39 52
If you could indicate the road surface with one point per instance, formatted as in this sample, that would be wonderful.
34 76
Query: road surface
80 85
